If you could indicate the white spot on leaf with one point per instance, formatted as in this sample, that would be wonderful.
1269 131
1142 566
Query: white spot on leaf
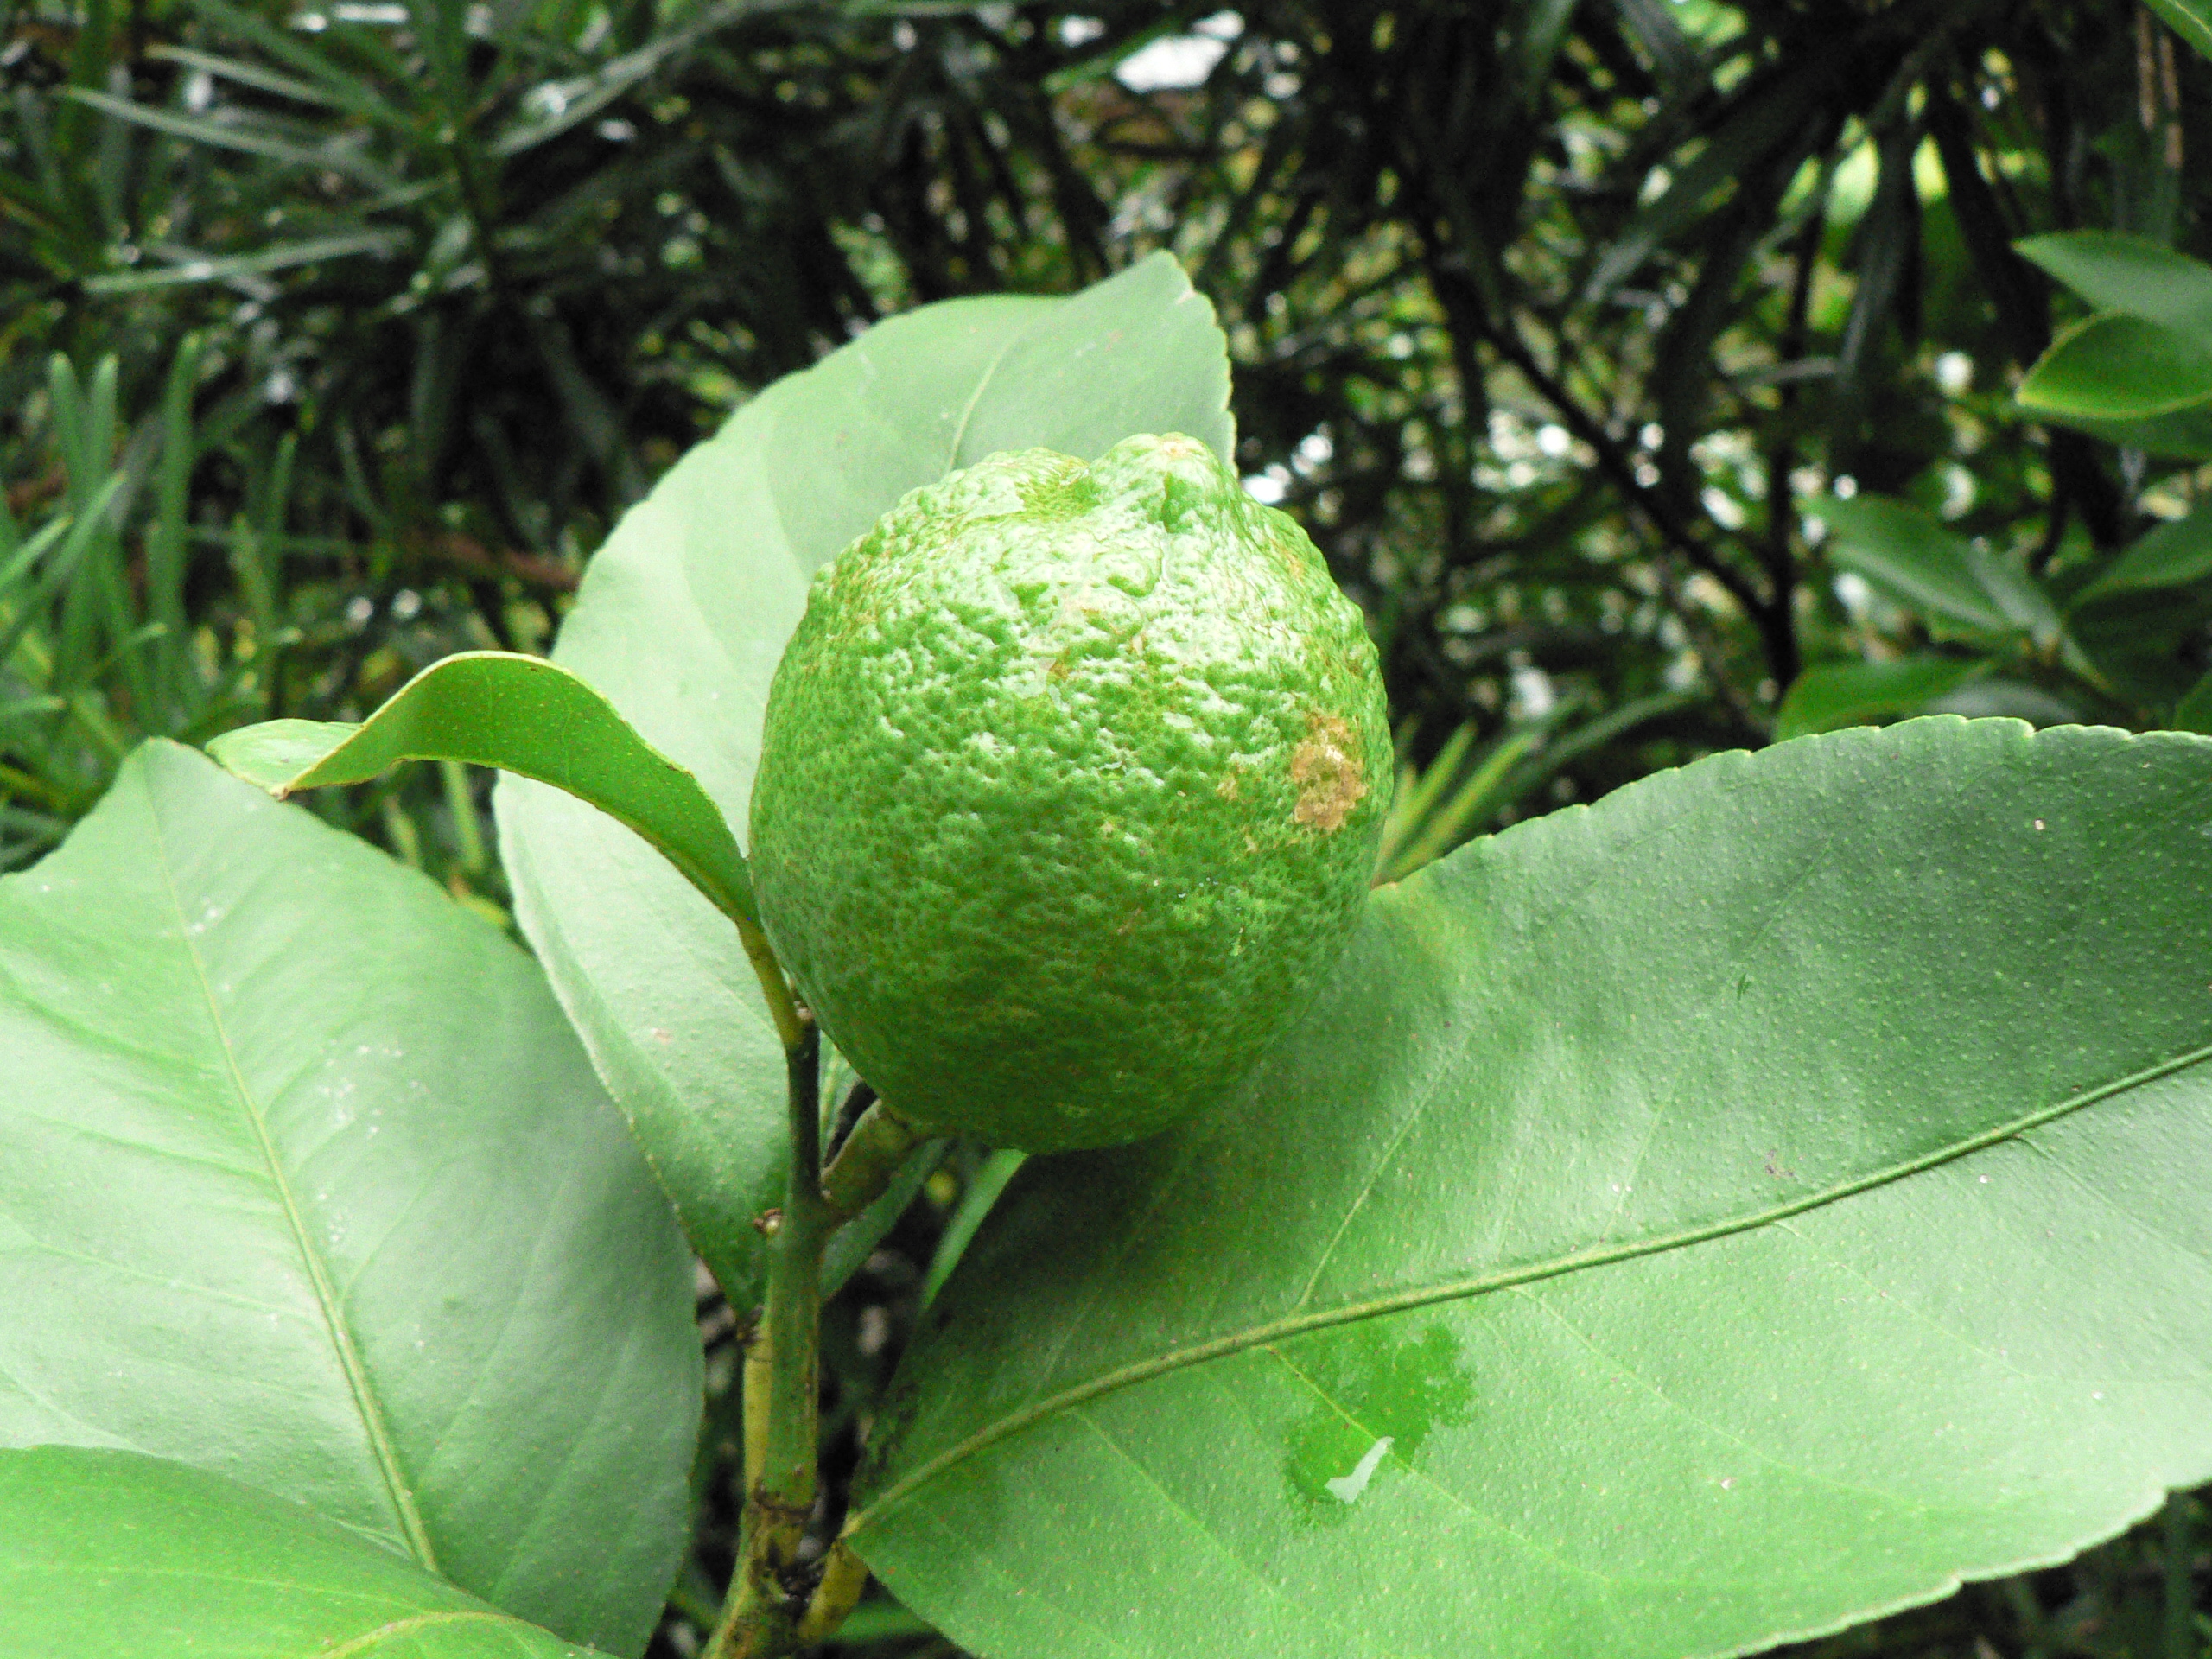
1349 1487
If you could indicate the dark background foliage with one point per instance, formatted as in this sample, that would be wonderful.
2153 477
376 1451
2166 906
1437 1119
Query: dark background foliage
334 337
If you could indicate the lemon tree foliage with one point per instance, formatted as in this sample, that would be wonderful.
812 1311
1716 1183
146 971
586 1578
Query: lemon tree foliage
180 1560
1739 1209
306 1183
1071 784
2115 636
1684 1223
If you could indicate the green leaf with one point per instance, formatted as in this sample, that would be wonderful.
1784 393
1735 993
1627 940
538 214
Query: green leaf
2131 275
203 268
1913 556
2142 645
2186 434
982 1192
1994 698
681 620
1855 694
1755 1202
2191 19
2194 712
244 74
105 1553
1766 121
304 1180
332 157
2116 367
556 106
522 714
2175 555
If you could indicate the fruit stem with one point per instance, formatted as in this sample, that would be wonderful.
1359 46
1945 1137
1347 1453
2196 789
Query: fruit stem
792 1026
871 1155
760 1618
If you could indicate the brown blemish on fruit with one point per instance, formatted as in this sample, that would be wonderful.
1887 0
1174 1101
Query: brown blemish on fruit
1326 769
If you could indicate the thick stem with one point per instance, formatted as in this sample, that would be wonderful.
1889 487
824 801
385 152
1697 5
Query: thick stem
758 1618
794 1317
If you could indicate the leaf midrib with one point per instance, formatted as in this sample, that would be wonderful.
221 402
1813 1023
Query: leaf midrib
976 397
1298 1324
366 1403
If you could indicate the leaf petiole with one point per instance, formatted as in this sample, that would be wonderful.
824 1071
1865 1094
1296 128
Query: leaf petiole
872 1153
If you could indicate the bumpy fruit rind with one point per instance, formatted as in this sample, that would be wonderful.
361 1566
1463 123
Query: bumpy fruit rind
1071 786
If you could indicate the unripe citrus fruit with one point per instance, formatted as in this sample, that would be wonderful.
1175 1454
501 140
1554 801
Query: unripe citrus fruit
1068 793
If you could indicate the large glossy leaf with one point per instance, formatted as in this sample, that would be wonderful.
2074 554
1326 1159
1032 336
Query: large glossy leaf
1906 551
2194 711
1748 1204
522 714
109 1552
682 618
2118 367
2130 274
1998 698
1831 695
2191 19
2185 435
2177 554
304 1180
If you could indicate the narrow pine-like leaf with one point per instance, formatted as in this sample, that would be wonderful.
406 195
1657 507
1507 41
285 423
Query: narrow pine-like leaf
189 267
257 141
244 75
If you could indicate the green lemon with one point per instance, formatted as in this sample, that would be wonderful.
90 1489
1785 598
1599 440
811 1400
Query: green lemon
1068 793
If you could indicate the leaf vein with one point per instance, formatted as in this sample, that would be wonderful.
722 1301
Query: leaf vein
348 1354
1595 1256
